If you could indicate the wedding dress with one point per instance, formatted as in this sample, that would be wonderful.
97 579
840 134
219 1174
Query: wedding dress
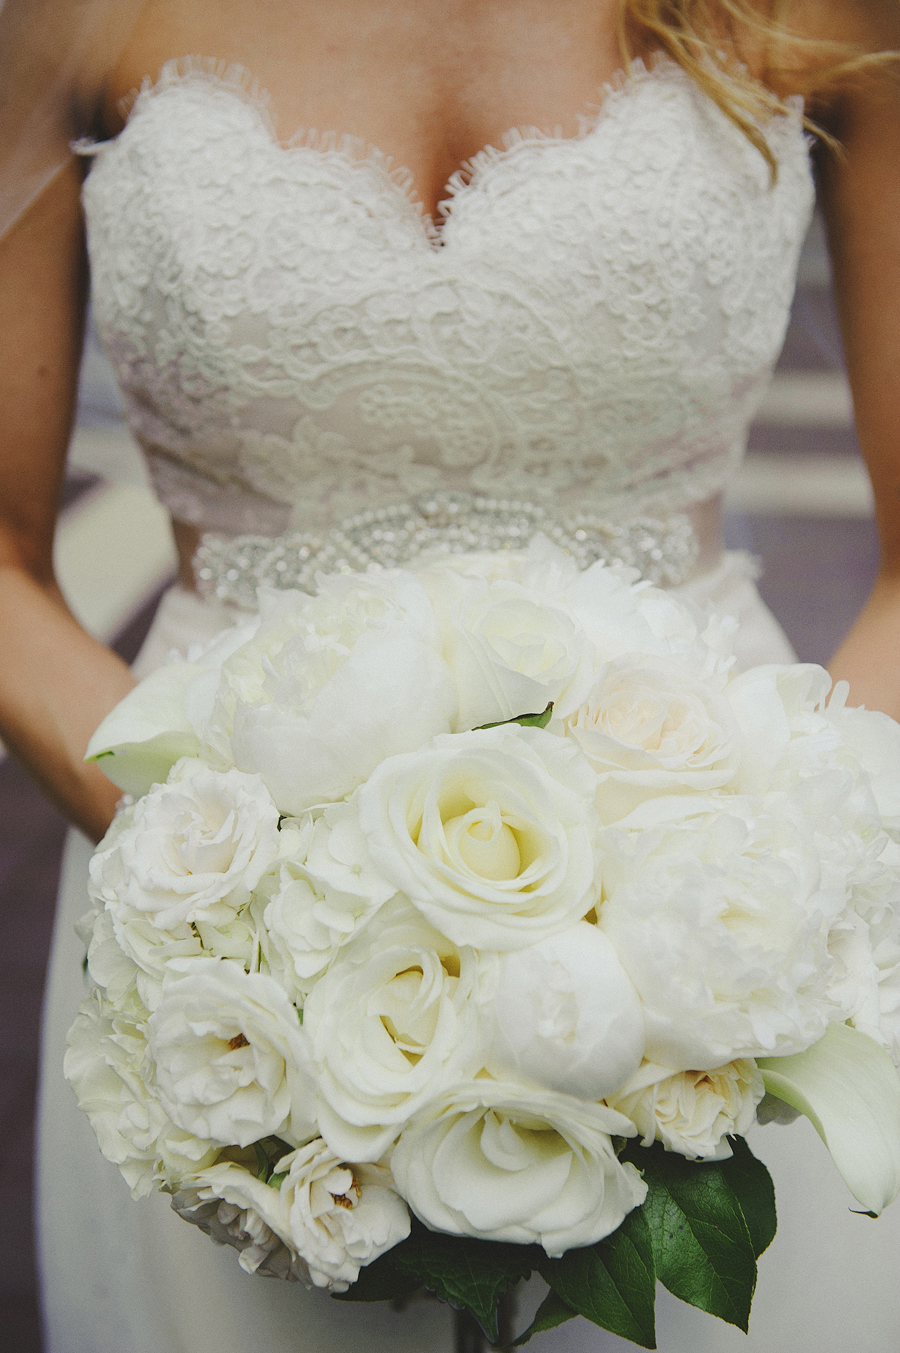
590 329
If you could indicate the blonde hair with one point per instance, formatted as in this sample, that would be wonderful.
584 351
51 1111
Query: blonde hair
709 40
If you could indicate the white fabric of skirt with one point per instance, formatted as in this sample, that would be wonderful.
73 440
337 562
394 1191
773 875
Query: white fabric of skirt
126 1277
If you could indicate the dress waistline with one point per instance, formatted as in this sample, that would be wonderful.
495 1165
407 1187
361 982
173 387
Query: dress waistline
666 551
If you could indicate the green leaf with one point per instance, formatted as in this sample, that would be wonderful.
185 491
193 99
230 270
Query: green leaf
847 1086
552 1311
612 1283
468 1274
701 1242
752 1186
380 1281
526 720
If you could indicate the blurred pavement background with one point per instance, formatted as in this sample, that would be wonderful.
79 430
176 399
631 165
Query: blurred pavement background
802 504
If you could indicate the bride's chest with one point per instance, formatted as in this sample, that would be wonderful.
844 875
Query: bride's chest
658 221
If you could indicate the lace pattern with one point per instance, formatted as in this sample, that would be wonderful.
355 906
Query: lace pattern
591 326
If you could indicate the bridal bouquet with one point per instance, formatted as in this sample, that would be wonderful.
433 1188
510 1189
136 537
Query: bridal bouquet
460 921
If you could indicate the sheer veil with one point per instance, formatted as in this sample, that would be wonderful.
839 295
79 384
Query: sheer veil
55 56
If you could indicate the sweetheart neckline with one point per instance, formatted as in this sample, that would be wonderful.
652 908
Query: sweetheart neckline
238 82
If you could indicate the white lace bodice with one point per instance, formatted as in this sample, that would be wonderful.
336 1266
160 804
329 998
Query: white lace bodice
593 323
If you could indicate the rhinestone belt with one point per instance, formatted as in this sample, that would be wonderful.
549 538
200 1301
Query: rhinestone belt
230 569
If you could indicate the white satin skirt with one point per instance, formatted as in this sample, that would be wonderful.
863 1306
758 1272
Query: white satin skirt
131 1277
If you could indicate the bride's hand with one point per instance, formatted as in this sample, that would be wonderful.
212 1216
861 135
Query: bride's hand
56 682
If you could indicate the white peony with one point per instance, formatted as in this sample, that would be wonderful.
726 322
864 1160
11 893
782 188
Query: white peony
391 1025
490 834
340 1217
500 1162
105 1065
230 1058
865 948
692 1112
720 911
191 851
331 685
650 726
565 1016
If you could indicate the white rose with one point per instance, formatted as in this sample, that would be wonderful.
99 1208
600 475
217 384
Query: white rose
333 684
720 911
340 1217
692 1112
512 653
565 1016
235 1208
231 1059
191 851
105 1065
391 1025
500 1162
490 834
649 726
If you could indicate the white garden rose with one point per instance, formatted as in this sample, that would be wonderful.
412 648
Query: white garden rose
105 1065
340 1217
393 1022
500 1162
191 851
720 912
331 685
564 1015
692 1112
512 653
650 726
491 834
235 1208
230 1058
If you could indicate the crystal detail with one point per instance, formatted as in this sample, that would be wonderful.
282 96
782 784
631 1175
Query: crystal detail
231 569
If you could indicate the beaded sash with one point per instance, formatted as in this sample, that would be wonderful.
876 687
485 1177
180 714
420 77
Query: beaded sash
230 569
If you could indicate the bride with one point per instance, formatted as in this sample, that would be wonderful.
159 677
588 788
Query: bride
584 318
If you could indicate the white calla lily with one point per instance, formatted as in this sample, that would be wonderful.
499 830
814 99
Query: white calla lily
848 1088
140 740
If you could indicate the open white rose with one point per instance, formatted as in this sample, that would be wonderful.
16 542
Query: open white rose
231 1060
340 1217
565 1016
650 726
490 834
104 1064
720 911
500 1162
692 1112
331 685
191 851
391 1025
511 653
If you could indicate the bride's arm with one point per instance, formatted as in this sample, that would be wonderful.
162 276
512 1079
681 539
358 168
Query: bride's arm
862 202
56 682
860 191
